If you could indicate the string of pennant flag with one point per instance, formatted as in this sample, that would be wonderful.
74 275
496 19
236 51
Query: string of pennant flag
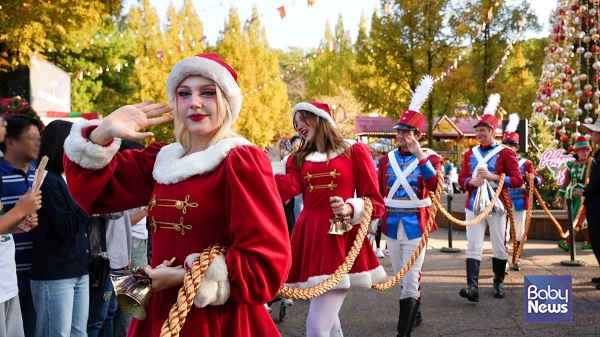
510 46
472 40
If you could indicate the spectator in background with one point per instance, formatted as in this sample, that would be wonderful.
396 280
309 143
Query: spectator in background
139 245
61 255
11 322
298 201
21 147
103 302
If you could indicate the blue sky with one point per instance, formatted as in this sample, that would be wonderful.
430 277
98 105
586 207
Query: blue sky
303 26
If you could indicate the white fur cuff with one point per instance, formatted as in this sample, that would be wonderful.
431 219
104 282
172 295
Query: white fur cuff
278 168
85 153
359 209
214 286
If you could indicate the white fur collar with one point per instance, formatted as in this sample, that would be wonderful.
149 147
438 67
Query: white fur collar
319 157
172 167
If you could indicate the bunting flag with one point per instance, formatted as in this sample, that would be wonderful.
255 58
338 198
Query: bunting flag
387 8
347 35
202 39
80 75
281 11
138 63
160 55
490 13
478 32
331 45
310 2
180 48
455 63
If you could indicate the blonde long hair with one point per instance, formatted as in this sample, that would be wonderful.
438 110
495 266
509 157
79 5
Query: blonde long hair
225 119
327 139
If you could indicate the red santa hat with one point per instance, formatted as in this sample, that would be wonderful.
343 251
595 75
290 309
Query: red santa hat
489 113
510 134
411 118
320 109
211 66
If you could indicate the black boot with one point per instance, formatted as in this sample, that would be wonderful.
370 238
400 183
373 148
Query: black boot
418 319
498 268
408 314
471 291
517 266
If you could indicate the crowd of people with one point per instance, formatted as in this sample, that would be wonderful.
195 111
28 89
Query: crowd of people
288 214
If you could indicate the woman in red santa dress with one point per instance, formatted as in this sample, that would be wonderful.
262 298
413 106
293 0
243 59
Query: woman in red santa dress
332 174
210 187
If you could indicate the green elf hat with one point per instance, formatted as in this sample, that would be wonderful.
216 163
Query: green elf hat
581 143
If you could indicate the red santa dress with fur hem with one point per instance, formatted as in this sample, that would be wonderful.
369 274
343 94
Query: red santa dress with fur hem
223 195
315 253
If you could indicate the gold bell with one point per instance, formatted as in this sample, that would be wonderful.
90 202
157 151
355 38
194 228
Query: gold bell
335 228
133 302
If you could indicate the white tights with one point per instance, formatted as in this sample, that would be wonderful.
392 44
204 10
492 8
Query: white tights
323 313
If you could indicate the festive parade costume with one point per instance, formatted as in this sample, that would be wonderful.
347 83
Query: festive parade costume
316 254
224 195
575 173
519 196
497 159
403 179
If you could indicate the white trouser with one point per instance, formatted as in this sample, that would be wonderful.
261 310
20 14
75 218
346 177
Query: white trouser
476 234
401 249
519 217
323 311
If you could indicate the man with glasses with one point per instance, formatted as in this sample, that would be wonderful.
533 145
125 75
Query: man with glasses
20 148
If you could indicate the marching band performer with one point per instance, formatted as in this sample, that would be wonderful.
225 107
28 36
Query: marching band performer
210 187
518 196
403 175
575 173
487 161
332 174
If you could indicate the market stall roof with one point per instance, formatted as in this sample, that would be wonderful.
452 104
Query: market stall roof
443 127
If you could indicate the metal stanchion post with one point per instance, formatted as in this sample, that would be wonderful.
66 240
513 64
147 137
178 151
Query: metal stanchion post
449 249
572 262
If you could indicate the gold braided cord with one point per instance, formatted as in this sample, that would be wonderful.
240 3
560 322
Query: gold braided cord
422 244
542 203
517 253
481 216
509 212
322 287
187 292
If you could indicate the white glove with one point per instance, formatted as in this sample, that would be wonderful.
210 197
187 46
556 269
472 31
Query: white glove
214 286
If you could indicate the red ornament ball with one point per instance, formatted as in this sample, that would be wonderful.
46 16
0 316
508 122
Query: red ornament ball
564 138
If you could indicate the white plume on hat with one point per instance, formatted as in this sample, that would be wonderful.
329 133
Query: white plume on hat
421 93
513 123
492 104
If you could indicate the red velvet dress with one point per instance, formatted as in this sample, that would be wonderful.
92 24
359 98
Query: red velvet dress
315 253
223 195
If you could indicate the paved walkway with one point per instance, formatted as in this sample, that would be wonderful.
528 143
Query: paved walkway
368 312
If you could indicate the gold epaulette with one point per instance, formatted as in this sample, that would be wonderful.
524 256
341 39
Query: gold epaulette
433 153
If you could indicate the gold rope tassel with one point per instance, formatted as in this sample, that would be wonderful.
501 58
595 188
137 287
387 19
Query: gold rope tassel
187 292
481 216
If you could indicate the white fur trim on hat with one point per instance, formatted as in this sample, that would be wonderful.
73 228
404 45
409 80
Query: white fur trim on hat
85 153
172 166
358 205
313 109
196 65
214 286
